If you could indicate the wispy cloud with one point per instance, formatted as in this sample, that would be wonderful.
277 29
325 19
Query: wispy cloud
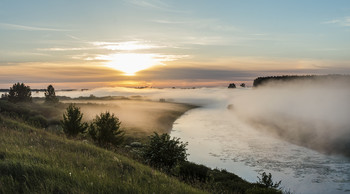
64 49
208 24
29 28
125 46
343 21
155 4
113 46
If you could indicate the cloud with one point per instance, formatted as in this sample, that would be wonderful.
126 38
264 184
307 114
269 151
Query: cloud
208 24
64 49
29 28
125 46
342 22
154 4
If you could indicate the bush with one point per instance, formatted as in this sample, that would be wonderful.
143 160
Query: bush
164 153
267 182
71 122
192 172
105 130
20 93
38 121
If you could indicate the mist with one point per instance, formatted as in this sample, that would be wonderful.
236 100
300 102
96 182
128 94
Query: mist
312 114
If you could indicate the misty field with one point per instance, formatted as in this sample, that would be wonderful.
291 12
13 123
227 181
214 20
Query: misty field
139 118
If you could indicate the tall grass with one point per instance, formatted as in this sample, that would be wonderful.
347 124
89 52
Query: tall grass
35 161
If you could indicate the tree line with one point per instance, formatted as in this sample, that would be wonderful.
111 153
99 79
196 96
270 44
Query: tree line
286 78
19 92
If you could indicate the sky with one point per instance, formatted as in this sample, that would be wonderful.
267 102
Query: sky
181 43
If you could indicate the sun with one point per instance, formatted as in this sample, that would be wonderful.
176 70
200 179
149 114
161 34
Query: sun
130 63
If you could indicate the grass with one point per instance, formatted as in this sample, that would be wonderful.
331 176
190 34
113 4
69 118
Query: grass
35 161
36 157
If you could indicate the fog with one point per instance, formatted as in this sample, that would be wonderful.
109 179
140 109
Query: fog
312 114
138 117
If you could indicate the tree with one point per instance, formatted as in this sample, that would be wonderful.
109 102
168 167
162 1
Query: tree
266 181
50 95
105 130
232 85
19 92
163 152
71 123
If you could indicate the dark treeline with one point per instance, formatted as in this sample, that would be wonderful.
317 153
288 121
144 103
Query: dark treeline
286 78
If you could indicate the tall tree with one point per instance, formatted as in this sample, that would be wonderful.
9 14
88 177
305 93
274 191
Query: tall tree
19 92
72 121
50 95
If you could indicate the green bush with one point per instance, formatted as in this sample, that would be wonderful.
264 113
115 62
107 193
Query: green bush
71 123
192 172
164 153
38 121
105 130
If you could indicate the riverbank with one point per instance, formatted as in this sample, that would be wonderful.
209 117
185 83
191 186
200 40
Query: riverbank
140 118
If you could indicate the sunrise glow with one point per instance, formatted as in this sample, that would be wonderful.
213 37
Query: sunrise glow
130 63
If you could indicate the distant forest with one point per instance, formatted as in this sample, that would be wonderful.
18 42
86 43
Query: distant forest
286 78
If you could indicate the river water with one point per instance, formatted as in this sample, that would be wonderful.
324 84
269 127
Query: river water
218 138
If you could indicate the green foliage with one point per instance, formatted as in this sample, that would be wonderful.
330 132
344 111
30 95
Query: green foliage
105 130
267 182
217 181
71 123
19 92
35 161
26 112
50 95
163 152
191 172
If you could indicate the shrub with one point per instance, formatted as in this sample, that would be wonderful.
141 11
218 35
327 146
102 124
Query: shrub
71 122
20 93
267 182
38 121
192 172
105 130
163 152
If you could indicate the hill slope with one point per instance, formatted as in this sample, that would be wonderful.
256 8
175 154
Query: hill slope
35 161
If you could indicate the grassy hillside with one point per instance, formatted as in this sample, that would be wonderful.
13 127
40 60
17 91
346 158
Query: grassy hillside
35 161
36 157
